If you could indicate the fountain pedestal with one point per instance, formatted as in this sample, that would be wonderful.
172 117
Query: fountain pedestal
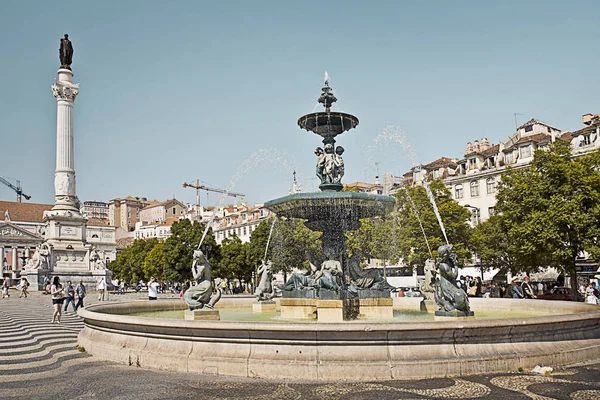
376 308
298 308
202 315
264 306
337 310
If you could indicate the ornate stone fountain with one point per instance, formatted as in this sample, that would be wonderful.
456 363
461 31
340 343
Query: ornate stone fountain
333 212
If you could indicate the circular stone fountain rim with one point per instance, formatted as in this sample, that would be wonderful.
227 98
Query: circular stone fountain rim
330 196
89 313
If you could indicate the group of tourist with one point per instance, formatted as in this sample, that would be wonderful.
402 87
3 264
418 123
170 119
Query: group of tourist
65 296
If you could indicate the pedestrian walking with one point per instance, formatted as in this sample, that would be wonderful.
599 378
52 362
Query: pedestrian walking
5 287
101 289
69 296
516 290
591 294
24 287
528 289
81 293
56 290
153 289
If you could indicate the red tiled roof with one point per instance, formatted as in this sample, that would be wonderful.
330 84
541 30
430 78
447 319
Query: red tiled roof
24 212
566 136
584 131
491 151
439 163
538 137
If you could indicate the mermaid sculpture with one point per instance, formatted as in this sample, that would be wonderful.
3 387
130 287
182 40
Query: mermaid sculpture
265 291
448 295
202 294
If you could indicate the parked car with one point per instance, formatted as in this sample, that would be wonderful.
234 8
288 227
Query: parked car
557 293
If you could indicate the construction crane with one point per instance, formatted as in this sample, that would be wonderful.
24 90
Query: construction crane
199 187
17 188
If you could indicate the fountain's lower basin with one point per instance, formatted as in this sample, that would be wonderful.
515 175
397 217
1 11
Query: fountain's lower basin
345 351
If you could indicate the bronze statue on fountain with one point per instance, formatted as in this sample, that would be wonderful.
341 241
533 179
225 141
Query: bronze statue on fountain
333 213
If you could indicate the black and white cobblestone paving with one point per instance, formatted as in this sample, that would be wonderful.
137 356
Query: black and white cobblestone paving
40 360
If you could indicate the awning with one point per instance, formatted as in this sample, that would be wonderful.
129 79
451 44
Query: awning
476 271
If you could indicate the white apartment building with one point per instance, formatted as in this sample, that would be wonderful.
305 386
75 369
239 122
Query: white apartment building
159 212
95 209
239 220
157 230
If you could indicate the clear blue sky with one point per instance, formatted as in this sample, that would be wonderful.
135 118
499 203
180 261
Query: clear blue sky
178 90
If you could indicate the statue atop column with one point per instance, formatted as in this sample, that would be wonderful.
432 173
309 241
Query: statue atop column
65 53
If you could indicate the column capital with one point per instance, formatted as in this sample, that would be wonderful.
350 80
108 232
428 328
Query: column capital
65 90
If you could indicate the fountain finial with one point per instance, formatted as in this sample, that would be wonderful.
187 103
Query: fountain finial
327 98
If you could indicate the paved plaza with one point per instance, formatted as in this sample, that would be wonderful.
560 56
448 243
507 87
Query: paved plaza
39 360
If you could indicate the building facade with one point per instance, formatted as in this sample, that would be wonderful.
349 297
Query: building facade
160 212
95 209
124 213
24 229
238 220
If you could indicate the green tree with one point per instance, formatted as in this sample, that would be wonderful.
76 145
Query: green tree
155 263
551 210
234 261
258 242
129 264
179 249
410 243
489 241
291 240
375 239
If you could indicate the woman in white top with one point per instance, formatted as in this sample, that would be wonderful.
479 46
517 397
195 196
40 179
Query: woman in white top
56 290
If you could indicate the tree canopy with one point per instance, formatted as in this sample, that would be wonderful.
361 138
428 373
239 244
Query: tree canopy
413 205
551 210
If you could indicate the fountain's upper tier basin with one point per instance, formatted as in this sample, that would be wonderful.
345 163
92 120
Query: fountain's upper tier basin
322 209
328 124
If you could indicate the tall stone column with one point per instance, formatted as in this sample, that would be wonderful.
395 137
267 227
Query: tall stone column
65 92
15 262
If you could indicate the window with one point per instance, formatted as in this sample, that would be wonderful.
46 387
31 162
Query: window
491 185
491 162
244 231
525 151
585 140
549 131
174 211
491 211
472 162
474 188
436 174
458 192
508 157
529 128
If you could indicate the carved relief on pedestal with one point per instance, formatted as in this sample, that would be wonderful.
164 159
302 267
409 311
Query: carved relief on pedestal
65 91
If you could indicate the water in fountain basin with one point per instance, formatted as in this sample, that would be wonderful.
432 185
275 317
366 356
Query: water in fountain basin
262 157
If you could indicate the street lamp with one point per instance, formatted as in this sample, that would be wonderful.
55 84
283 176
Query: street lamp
476 212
